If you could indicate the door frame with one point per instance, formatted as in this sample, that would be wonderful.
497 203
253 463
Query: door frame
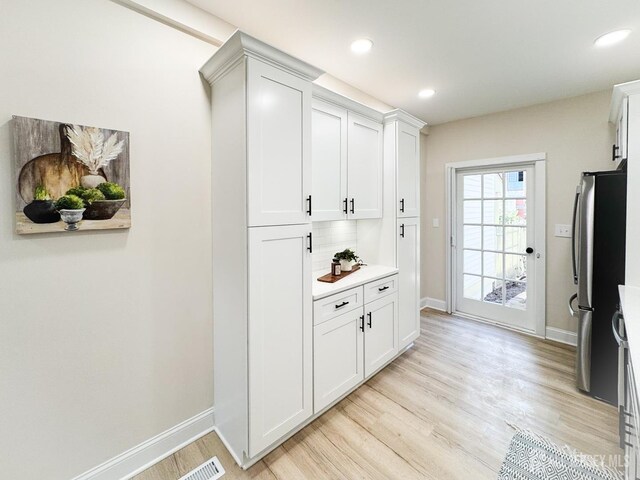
538 161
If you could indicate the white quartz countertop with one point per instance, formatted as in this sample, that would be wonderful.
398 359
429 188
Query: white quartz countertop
630 301
366 274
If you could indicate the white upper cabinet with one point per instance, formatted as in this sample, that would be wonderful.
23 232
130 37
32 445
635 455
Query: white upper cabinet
347 158
329 157
402 150
408 170
278 146
364 173
280 333
409 279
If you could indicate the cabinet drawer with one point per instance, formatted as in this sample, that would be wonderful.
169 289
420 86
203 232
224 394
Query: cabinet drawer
343 302
380 288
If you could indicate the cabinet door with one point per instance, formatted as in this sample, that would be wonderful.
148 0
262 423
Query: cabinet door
409 280
623 140
280 333
364 166
381 333
329 161
338 357
408 171
278 146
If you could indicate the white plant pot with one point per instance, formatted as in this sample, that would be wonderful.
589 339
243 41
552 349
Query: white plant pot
346 265
71 218
92 181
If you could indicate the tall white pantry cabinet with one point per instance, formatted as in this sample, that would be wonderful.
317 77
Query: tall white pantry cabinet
264 192
262 301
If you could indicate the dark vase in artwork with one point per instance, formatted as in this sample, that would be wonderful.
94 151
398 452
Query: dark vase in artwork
103 209
42 211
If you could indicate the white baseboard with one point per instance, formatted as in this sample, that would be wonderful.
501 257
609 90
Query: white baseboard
562 336
433 303
149 452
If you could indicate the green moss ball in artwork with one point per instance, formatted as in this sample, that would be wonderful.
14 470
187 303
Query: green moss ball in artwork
91 195
69 202
41 193
111 191
77 191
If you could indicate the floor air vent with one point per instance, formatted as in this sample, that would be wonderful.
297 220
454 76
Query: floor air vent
209 470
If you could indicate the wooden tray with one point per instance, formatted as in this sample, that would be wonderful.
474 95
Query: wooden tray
328 278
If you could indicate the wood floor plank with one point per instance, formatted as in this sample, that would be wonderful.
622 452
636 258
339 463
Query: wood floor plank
441 411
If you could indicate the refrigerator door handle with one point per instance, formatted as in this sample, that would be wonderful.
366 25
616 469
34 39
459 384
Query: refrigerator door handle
574 238
571 299
583 364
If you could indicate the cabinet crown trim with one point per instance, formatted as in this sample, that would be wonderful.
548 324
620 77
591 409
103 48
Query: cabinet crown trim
240 44
401 115
620 92
329 96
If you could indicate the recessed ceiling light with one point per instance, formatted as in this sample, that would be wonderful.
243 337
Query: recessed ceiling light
611 38
426 93
362 45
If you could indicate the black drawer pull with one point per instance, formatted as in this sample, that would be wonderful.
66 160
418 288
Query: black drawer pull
345 207
369 322
309 205
402 205
342 304
362 322
402 230
310 246
353 205
382 289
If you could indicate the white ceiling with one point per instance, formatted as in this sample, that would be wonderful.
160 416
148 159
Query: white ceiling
481 56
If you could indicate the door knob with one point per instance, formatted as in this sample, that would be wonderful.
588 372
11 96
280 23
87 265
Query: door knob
529 250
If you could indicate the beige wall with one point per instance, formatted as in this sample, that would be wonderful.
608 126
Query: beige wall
105 337
576 136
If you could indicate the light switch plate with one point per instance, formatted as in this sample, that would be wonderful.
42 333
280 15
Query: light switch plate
436 222
563 230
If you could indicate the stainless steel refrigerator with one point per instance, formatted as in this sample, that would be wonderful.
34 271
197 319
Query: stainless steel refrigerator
599 227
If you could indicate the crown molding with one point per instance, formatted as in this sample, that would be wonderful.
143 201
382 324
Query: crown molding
240 44
401 115
620 92
329 96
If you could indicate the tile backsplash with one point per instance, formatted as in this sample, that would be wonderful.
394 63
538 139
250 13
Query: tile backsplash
332 237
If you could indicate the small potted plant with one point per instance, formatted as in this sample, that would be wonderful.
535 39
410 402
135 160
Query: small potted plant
347 258
42 209
71 208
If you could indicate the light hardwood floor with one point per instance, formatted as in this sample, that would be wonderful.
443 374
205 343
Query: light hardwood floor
440 411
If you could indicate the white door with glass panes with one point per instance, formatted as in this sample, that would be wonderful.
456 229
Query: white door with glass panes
494 245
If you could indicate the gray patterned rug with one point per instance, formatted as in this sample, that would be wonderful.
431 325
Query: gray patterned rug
533 457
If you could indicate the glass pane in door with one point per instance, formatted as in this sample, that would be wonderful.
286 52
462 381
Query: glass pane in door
494 226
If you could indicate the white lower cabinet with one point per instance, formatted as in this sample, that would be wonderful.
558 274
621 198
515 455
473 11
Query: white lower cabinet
280 333
381 335
339 364
409 279
349 347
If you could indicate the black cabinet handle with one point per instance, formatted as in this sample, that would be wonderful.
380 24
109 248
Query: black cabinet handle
342 304
309 205
369 322
362 323
345 208
353 205
382 289
310 247
402 230
402 205
614 152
